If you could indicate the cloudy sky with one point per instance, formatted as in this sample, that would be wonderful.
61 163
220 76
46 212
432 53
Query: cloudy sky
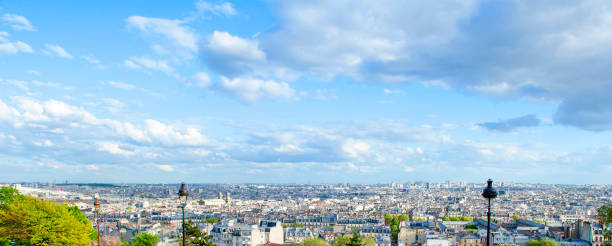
306 91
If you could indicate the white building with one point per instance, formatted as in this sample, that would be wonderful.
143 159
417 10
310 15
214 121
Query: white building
247 235
297 235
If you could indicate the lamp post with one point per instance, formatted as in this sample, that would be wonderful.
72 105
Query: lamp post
97 215
183 193
489 193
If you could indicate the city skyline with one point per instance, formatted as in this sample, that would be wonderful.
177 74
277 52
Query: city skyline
306 92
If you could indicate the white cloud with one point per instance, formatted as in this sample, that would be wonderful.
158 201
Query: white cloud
251 90
356 149
201 79
34 72
52 111
98 64
120 85
113 105
15 47
165 168
8 113
232 55
93 167
180 38
170 136
228 45
419 150
18 22
149 64
396 92
114 149
56 50
408 169
224 8
46 143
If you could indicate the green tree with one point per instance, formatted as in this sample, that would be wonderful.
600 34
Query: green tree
295 224
388 218
464 218
542 242
30 221
143 239
604 214
368 241
315 241
471 228
76 213
394 232
515 217
403 217
196 237
355 240
341 240
212 220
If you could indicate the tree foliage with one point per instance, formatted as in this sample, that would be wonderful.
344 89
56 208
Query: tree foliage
341 240
143 239
542 242
604 214
403 217
212 220
394 222
388 218
196 237
355 240
315 241
368 241
462 218
27 220
295 224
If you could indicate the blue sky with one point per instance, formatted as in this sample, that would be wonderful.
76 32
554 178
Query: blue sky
306 91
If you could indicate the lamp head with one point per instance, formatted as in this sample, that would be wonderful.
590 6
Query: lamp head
97 204
183 192
489 192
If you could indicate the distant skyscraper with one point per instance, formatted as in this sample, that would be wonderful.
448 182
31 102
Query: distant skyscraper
220 195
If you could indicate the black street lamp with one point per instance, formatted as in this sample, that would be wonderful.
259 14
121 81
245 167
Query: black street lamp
489 193
183 194
97 215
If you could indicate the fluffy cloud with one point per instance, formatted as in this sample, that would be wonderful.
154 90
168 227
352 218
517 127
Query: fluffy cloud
175 35
97 63
224 8
114 149
148 64
66 135
231 55
510 125
8 47
165 168
56 50
120 85
18 22
201 79
545 52
250 90
8 113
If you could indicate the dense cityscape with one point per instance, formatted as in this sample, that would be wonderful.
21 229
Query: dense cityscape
433 214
